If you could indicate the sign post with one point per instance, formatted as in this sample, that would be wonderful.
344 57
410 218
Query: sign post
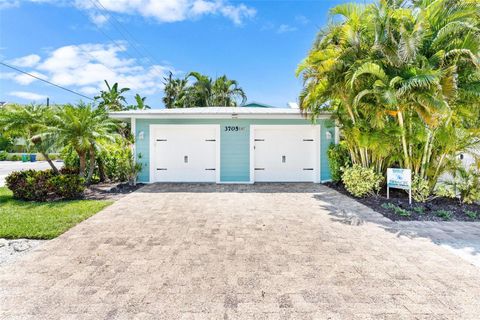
399 179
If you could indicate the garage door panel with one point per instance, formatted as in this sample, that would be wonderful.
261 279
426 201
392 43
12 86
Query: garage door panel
184 153
285 153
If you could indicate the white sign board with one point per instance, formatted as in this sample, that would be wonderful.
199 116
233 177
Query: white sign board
399 179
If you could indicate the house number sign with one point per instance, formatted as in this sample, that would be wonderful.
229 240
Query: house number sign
233 128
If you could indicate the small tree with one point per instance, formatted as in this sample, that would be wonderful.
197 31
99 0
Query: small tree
85 129
30 122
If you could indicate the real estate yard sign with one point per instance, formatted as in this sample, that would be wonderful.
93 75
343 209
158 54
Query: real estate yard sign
399 179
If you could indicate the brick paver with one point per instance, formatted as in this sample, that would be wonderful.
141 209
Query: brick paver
280 251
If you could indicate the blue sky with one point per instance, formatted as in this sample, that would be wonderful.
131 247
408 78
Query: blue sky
258 43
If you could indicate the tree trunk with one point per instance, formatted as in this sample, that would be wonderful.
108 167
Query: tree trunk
50 162
404 140
101 169
92 165
83 163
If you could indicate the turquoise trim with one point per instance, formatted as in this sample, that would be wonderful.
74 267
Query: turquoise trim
234 145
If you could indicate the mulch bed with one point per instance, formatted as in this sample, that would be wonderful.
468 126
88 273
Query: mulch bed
438 209
110 191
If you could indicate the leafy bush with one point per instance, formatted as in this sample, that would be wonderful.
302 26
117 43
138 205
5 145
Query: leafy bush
471 214
420 189
444 214
419 210
32 185
360 181
3 155
67 186
400 211
468 185
14 157
338 160
445 191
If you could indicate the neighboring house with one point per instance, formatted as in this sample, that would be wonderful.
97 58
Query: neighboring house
230 144
254 104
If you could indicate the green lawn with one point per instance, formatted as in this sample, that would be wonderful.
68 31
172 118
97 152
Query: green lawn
47 220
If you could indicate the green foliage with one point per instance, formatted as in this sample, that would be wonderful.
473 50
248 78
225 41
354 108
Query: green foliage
396 209
66 186
467 183
36 220
361 181
86 130
6 143
14 157
420 189
445 190
338 160
32 185
203 92
444 214
419 210
471 214
402 80
119 163
3 155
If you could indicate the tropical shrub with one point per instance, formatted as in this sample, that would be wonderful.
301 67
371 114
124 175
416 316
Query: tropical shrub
396 209
360 181
467 183
66 186
3 155
338 160
29 185
32 185
471 214
445 190
420 189
444 214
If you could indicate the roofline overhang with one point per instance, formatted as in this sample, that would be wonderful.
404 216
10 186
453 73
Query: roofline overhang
230 115
151 114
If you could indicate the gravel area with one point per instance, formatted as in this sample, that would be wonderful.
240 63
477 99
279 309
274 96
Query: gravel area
10 250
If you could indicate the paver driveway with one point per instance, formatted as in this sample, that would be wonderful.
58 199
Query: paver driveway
236 252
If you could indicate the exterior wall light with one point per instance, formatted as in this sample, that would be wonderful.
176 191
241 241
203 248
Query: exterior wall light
328 135
141 135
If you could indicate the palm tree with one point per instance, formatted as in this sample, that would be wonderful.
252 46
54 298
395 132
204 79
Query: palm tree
410 67
112 99
200 93
31 122
175 92
85 129
141 105
226 92
203 92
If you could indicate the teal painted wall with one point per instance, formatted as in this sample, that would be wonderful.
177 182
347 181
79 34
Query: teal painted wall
234 145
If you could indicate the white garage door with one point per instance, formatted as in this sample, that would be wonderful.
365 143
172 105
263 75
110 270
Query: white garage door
286 153
183 153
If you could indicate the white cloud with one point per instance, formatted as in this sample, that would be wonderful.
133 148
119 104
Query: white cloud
26 61
173 10
25 79
302 19
283 28
32 96
98 19
85 67
160 10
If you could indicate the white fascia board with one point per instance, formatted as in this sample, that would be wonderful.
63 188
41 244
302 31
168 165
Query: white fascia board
215 116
